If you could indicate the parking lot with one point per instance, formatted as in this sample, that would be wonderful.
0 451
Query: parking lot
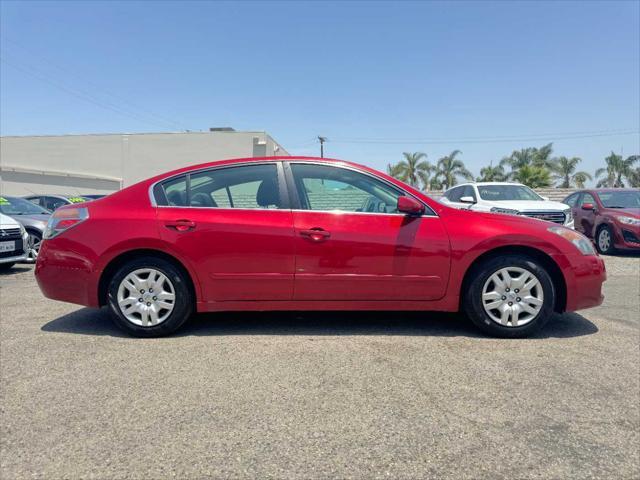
354 395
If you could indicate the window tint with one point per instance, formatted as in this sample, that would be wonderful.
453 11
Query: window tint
571 200
468 191
587 198
454 194
51 203
250 186
322 187
175 191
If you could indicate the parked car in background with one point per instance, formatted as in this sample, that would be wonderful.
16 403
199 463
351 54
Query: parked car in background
32 217
292 233
509 198
13 238
609 216
53 202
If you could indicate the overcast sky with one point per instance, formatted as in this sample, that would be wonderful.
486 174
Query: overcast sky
375 78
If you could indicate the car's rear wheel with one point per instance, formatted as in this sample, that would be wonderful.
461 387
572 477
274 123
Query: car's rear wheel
150 297
604 240
510 296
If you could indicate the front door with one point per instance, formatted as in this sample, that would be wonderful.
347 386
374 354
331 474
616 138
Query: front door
585 219
352 243
234 225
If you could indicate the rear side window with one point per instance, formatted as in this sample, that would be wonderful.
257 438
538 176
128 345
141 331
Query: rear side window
248 186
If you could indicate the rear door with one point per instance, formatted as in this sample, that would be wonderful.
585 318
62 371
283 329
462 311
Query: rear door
353 244
235 225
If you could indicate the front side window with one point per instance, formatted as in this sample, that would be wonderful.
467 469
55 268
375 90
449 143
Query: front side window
327 188
454 194
587 198
247 186
52 203
469 192
572 199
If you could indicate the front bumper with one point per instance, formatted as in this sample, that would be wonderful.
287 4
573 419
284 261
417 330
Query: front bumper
626 237
584 276
14 259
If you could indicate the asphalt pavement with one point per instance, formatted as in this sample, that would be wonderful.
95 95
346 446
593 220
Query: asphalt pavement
317 395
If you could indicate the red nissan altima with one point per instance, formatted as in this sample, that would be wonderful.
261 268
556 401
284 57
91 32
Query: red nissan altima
290 233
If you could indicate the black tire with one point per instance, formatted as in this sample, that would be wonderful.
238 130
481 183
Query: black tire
473 304
610 249
6 266
183 304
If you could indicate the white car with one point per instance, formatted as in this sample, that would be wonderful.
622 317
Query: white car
509 198
13 240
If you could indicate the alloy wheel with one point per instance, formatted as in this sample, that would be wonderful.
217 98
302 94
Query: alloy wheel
604 240
33 247
512 297
146 297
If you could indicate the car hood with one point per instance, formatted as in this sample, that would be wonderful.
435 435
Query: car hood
629 212
35 220
528 205
8 222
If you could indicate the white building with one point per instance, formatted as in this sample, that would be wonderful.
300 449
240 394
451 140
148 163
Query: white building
103 163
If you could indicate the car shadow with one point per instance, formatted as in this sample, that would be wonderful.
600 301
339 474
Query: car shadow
88 321
14 270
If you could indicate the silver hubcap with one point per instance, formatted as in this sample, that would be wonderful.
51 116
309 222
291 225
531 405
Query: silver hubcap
604 240
512 297
146 297
33 247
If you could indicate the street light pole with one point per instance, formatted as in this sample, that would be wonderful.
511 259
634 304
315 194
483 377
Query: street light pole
322 140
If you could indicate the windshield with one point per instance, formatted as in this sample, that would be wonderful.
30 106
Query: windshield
20 206
620 199
496 193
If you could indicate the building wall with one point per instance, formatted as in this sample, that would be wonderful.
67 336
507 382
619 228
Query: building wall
76 164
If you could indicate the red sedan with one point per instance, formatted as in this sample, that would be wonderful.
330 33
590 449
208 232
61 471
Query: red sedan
609 216
288 233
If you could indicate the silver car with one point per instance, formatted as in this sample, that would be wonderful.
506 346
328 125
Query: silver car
32 217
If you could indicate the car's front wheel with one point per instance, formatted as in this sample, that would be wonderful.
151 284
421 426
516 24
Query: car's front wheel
150 297
33 246
510 296
604 240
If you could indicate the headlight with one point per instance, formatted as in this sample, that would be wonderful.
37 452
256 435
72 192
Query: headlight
628 220
568 216
581 242
508 211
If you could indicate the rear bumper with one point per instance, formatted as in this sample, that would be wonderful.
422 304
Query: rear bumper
584 277
66 276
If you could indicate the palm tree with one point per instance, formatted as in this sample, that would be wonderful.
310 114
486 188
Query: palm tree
414 170
616 171
534 177
535 157
564 169
634 177
492 174
394 171
542 156
581 178
449 168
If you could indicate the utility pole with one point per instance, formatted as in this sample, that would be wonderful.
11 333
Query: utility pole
322 140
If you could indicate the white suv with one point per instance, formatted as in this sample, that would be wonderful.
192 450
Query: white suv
510 198
13 240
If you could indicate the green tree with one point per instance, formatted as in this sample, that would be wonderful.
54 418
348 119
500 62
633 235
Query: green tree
617 170
534 177
449 168
564 170
634 178
492 174
394 170
531 157
414 170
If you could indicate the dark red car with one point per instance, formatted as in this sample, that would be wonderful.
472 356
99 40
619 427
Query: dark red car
287 233
609 216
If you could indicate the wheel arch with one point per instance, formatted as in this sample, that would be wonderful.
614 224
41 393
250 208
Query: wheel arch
557 277
115 263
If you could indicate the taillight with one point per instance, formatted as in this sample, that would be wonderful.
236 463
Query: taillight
63 219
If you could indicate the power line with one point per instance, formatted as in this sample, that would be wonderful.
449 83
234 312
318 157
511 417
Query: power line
132 108
503 139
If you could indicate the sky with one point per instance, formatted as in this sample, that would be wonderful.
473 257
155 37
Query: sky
375 78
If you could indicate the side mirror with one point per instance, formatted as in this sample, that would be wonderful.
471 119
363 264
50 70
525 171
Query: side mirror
588 206
546 199
467 199
410 206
